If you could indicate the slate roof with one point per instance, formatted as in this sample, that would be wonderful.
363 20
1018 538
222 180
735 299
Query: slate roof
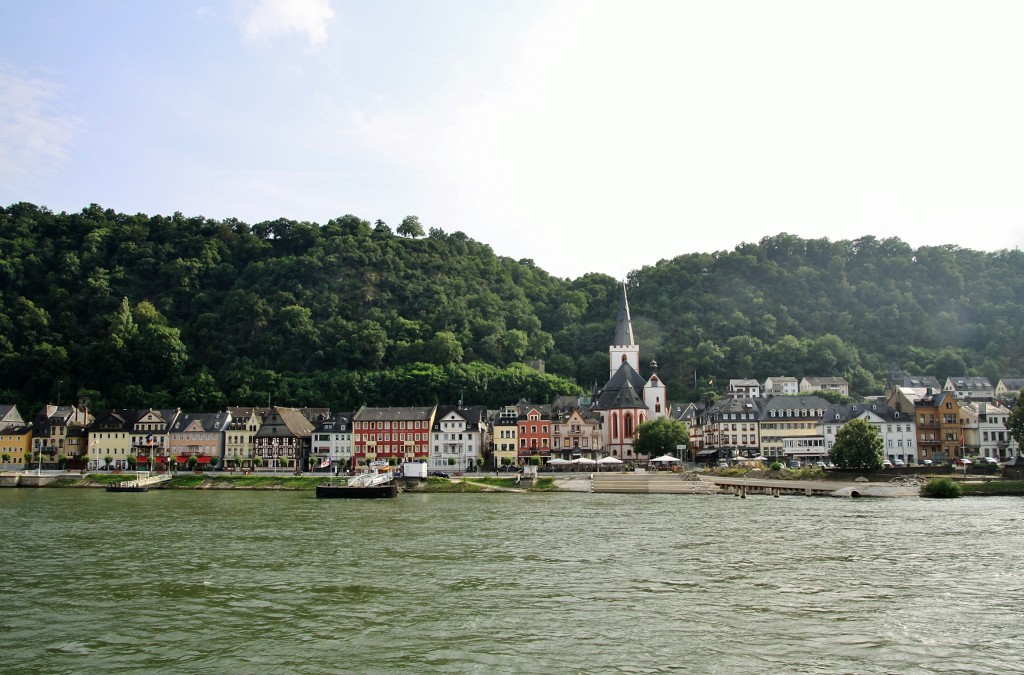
391 414
621 390
210 422
849 411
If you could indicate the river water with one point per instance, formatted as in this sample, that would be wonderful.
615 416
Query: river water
280 582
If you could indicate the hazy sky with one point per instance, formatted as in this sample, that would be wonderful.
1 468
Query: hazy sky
588 136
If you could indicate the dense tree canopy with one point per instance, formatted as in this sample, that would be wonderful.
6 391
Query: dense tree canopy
858 445
156 310
662 436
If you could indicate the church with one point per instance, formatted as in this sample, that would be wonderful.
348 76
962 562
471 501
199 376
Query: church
627 400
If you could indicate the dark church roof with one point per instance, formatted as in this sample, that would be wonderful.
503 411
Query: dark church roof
621 390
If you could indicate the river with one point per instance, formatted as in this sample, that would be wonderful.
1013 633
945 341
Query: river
280 582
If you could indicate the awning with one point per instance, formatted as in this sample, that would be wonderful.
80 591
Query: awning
704 453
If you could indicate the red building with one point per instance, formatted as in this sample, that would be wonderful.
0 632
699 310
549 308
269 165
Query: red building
534 432
384 434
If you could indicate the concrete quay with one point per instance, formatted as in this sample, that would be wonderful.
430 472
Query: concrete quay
649 483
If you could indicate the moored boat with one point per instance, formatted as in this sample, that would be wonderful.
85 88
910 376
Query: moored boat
364 486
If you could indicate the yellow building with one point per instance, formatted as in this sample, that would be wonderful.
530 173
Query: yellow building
16 445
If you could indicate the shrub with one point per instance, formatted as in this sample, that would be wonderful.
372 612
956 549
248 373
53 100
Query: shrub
942 488
776 466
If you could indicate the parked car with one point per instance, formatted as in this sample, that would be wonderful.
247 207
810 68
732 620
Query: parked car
886 464
821 465
989 460
794 464
926 462
439 474
899 462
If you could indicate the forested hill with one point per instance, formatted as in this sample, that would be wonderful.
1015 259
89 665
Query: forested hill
136 310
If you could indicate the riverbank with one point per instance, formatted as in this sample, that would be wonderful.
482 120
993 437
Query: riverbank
204 481
463 484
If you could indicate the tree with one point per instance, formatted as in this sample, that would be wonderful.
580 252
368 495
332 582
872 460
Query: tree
1015 422
858 446
661 437
410 227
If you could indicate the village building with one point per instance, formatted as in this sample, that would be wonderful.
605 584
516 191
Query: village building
457 439
970 388
284 439
200 436
789 428
332 443
504 436
240 437
386 434
985 432
897 430
575 430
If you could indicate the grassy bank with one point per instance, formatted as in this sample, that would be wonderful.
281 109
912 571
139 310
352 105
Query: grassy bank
994 488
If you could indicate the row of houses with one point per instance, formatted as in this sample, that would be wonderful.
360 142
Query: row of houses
917 425
278 438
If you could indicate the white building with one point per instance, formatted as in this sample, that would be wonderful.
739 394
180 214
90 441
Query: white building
332 443
456 441
970 388
781 386
985 432
897 430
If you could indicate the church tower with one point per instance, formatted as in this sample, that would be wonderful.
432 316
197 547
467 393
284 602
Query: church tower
627 400
623 348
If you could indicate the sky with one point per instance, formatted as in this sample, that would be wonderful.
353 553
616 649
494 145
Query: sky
587 136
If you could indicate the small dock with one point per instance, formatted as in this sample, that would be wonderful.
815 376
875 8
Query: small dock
140 484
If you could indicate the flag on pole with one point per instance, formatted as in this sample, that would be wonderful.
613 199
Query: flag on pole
326 462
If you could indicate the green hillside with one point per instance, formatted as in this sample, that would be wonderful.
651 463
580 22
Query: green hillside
140 310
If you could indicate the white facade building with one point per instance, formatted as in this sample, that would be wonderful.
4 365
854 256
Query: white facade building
456 441
898 431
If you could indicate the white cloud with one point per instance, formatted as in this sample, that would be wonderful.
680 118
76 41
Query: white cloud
34 133
265 19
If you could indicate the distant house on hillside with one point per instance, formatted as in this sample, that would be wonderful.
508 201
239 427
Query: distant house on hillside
970 388
781 386
1009 387
744 388
809 384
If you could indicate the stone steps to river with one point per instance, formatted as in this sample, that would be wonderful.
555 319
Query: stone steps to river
649 483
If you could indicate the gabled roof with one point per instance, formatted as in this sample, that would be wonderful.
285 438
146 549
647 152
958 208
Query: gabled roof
340 423
294 422
921 382
621 388
845 412
1014 384
969 383
201 422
